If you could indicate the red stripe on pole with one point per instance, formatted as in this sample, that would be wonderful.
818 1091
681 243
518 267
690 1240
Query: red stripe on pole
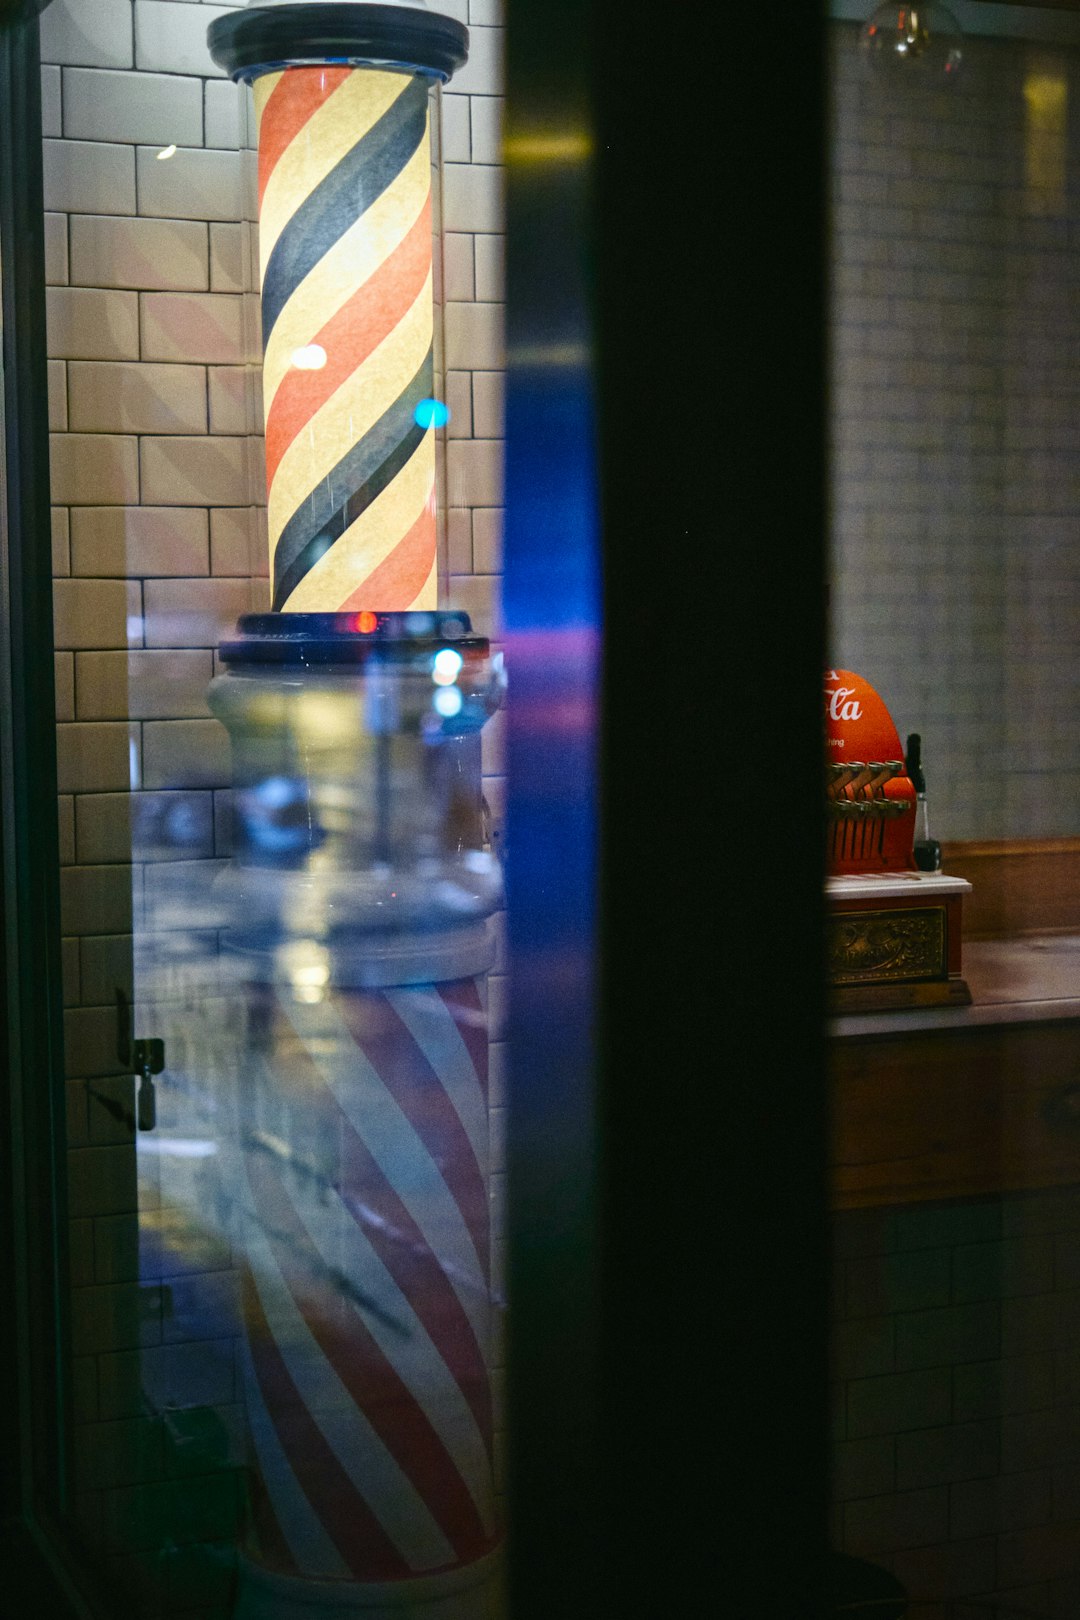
394 1235
338 1505
396 582
337 1326
298 93
416 1088
368 316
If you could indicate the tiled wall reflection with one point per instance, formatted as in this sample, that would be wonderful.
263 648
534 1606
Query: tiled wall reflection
157 550
956 403
957 1411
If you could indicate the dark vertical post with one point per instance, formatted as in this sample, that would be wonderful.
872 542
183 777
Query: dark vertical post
668 1271
34 1350
33 1188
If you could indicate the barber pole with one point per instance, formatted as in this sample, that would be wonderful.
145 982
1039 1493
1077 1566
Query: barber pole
361 888
348 372
342 102
363 1203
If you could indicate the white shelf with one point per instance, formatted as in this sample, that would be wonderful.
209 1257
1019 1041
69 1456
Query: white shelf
893 885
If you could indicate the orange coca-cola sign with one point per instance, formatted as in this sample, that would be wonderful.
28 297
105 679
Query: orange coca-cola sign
869 797
857 723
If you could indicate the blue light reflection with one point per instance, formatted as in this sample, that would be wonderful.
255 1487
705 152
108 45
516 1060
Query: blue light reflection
431 413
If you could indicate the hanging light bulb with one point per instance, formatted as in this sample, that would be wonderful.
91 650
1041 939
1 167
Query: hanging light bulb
916 42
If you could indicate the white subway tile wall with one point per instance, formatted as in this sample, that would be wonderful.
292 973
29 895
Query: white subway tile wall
140 253
103 106
955 397
158 546
957 1403
89 176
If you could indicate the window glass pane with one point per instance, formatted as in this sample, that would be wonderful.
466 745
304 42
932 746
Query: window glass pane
956 977
282 912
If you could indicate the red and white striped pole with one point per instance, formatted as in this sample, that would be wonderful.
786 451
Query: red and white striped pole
362 1184
356 1158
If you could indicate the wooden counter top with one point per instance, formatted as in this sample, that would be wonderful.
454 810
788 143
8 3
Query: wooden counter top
963 1102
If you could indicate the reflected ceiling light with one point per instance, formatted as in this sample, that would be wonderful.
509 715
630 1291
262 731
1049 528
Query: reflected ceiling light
1046 135
571 146
309 357
447 701
176 1147
446 666
167 152
306 967
916 42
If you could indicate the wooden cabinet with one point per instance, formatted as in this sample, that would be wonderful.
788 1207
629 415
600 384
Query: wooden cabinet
968 1102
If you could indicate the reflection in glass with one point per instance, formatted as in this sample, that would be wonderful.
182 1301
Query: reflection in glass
956 1157
917 43
322 1138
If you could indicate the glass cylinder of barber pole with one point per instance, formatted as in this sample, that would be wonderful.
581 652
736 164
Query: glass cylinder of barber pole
355 1136
361 887
343 97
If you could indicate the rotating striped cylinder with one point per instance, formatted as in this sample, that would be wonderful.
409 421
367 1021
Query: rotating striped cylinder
362 1186
345 247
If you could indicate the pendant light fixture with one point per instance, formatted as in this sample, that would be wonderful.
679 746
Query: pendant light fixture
920 43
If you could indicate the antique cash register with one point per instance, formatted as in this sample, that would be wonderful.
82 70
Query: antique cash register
894 929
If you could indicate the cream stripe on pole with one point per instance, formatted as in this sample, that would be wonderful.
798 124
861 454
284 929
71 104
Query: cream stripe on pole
349 263
365 544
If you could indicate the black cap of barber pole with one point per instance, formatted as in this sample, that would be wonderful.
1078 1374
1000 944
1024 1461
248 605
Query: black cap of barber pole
407 36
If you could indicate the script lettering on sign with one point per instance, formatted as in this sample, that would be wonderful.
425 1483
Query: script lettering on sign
839 703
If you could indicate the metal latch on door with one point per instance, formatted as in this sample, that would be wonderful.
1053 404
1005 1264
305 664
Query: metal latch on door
143 1058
